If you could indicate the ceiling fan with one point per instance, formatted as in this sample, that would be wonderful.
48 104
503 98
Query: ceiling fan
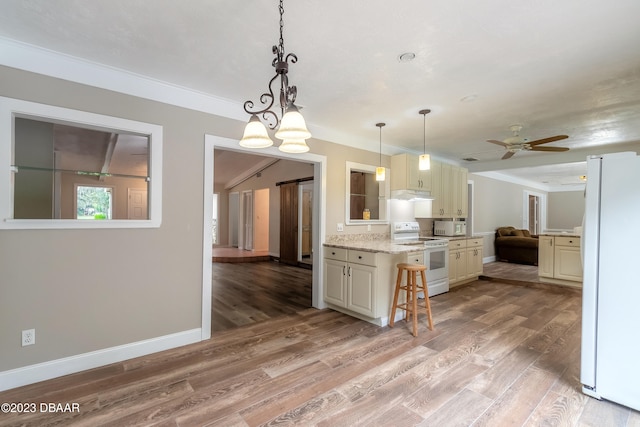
517 143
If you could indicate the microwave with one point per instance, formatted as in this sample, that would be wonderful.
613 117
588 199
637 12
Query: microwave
450 228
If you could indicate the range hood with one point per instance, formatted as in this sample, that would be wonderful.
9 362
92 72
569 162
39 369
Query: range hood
411 195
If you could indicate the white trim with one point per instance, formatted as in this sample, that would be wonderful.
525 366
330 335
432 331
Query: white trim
207 239
69 365
10 108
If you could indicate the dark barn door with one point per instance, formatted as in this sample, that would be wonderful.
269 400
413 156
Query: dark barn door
289 223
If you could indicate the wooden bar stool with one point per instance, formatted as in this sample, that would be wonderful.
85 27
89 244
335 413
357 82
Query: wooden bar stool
412 288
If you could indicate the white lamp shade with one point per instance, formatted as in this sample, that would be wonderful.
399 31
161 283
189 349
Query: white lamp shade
255 134
424 162
294 146
380 173
292 125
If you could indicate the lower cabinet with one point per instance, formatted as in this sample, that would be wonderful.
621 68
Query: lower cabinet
474 258
545 256
465 260
350 280
361 283
457 261
559 259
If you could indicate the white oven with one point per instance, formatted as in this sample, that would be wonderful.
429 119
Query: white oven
436 254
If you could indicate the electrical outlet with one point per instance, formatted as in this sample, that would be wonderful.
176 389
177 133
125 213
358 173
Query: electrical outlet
28 337
340 226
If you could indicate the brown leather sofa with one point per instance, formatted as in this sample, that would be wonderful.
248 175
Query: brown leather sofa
514 245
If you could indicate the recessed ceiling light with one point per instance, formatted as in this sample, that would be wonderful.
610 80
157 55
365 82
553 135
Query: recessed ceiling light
407 57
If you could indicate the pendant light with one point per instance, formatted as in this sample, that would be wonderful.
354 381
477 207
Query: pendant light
380 169
424 161
255 134
293 129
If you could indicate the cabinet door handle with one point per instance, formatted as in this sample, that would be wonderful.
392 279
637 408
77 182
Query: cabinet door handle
349 271
570 241
344 270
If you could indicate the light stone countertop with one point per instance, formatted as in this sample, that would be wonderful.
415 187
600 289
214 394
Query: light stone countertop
560 234
383 246
388 246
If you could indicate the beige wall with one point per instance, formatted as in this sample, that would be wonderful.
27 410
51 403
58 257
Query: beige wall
565 210
85 290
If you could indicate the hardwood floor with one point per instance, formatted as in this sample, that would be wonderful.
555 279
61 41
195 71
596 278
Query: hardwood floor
500 355
247 293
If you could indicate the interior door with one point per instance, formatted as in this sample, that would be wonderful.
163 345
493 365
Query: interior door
247 220
138 203
306 218
289 223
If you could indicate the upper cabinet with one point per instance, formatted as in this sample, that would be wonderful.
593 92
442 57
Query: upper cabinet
405 174
459 192
447 184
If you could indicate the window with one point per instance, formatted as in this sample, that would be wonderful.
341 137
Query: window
94 202
66 166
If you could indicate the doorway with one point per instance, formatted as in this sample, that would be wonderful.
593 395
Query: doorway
534 212
318 203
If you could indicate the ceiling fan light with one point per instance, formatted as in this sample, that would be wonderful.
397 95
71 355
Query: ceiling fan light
380 173
293 125
255 134
424 162
295 146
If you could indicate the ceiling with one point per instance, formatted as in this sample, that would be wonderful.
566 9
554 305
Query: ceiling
569 67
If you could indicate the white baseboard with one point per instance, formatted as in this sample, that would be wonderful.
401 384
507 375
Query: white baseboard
488 259
72 364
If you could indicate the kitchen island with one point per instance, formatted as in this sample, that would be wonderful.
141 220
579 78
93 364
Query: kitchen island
360 275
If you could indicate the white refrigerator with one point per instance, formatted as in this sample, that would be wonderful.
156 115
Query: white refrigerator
610 365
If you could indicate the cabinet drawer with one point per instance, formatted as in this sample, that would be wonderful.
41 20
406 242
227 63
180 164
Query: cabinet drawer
416 258
567 241
362 257
457 244
335 253
473 243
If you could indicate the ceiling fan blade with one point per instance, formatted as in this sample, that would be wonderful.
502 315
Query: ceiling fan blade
493 141
547 140
549 149
508 155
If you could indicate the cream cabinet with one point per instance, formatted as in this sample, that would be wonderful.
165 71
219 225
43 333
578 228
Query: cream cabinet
545 256
459 191
350 280
335 276
559 259
474 258
465 260
440 178
567 263
449 189
405 174
457 260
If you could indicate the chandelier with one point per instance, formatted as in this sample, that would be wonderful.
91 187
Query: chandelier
293 130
